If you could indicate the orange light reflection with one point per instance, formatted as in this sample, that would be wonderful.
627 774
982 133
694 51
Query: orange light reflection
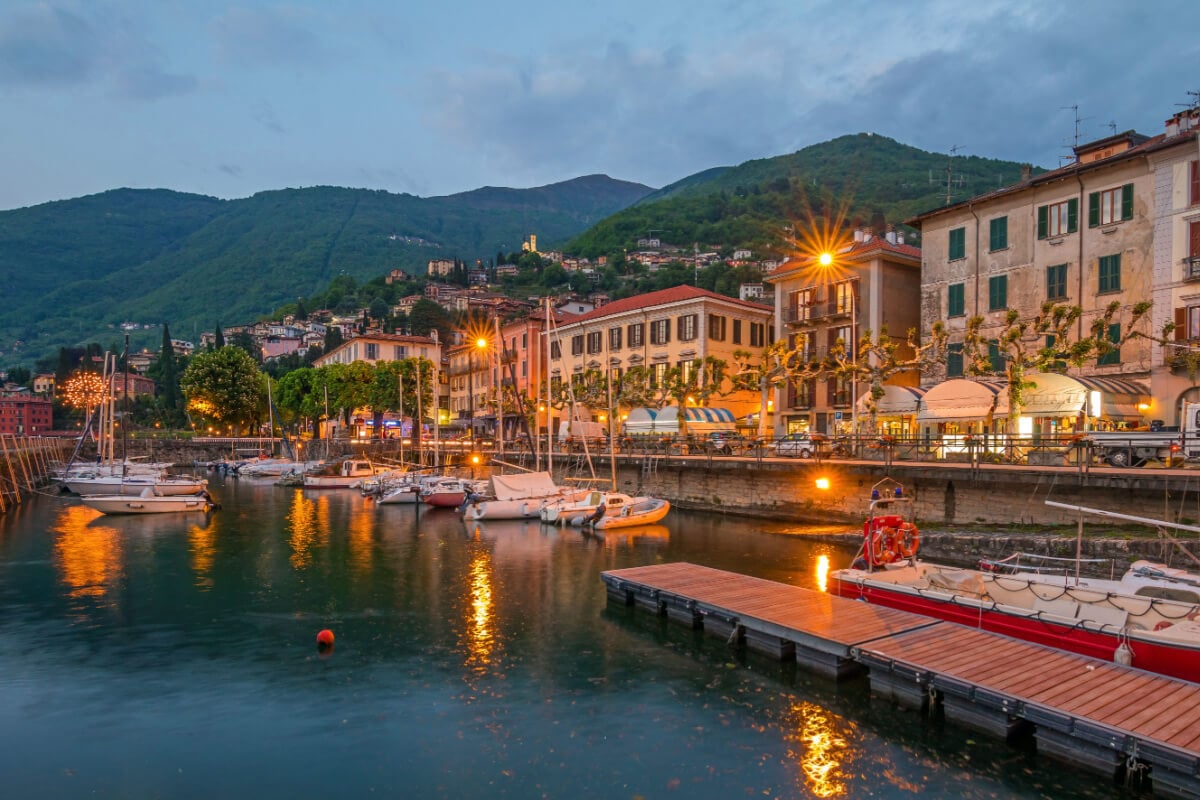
481 639
822 750
302 529
89 558
202 542
823 573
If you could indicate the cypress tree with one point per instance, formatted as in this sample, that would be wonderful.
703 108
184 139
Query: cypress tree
219 341
168 373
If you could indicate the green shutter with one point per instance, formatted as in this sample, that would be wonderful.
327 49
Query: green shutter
1127 201
1043 216
1094 210
998 233
1073 215
958 243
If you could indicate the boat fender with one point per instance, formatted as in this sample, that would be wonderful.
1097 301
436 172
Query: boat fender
1163 625
1123 655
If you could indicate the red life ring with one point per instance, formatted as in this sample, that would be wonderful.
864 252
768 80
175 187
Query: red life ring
908 541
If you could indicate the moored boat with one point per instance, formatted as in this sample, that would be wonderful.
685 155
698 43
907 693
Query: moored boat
520 496
148 503
134 485
349 475
640 511
449 492
1150 618
576 511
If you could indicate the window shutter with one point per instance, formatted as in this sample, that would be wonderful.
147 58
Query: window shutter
1094 210
1180 324
679 327
1043 215
1073 215
1195 182
1127 201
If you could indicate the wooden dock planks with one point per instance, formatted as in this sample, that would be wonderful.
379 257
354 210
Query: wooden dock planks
1108 710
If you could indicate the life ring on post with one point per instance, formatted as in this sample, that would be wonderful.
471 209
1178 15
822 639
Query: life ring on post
908 541
883 546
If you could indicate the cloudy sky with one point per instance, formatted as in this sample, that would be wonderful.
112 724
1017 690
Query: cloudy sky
230 98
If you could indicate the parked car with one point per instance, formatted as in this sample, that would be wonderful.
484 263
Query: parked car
724 442
804 445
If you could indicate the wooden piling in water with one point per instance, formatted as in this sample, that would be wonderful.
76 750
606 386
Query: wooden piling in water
25 463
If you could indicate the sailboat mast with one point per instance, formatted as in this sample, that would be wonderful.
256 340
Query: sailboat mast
420 423
125 415
400 375
549 433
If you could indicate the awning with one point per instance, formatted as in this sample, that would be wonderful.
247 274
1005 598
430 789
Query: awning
1118 398
964 401
698 414
1053 395
897 401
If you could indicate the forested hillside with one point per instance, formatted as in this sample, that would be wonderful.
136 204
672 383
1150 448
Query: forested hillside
876 179
74 270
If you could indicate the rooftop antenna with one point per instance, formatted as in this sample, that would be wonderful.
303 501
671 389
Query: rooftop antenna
1194 103
1075 141
1112 126
950 181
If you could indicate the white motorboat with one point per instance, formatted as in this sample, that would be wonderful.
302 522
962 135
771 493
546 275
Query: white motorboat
520 496
349 476
147 503
135 485
405 491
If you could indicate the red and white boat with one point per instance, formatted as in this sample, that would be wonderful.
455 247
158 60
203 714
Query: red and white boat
449 492
1150 618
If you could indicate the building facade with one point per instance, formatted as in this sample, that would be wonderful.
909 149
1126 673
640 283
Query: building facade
22 414
659 330
1111 227
872 284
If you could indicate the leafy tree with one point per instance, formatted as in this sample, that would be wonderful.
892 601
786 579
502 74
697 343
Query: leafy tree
693 384
333 338
223 386
427 316
245 341
20 376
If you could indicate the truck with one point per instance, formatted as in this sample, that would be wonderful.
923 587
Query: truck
1163 444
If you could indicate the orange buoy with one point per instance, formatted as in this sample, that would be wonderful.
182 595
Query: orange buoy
325 638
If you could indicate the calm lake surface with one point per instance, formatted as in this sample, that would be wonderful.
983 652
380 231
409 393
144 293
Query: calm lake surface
175 656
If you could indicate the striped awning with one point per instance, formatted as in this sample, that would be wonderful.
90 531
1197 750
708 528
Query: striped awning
1119 397
962 400
698 414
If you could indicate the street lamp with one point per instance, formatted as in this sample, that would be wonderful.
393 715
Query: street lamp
481 345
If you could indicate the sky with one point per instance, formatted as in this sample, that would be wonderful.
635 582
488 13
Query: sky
443 96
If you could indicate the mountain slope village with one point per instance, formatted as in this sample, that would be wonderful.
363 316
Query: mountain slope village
1114 234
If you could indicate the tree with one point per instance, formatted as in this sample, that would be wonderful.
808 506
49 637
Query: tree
243 340
879 358
301 313
219 339
1040 343
223 386
693 383
776 367
427 316
333 338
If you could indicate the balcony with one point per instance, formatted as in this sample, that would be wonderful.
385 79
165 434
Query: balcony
816 313
1191 268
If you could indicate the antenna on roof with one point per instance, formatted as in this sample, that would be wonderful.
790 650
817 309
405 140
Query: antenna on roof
1194 103
950 178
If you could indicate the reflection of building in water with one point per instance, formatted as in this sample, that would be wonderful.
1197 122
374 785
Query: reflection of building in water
481 638
823 749
308 527
202 544
89 558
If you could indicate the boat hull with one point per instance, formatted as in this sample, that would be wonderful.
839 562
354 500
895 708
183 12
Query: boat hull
129 504
447 499
133 486
503 509
635 515
1149 651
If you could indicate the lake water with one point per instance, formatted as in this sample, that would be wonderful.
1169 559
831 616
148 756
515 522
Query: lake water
175 656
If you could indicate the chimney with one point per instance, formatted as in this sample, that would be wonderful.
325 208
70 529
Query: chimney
899 237
1026 173
858 235
890 235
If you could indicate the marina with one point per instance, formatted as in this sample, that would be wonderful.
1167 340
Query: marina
175 655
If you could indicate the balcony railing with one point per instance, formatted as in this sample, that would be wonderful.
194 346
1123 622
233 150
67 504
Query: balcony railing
1191 268
817 312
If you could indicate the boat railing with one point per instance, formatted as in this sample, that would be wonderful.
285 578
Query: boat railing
1039 564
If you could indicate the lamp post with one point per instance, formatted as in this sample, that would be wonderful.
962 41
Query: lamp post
480 344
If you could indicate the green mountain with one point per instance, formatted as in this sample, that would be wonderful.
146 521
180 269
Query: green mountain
74 270
872 179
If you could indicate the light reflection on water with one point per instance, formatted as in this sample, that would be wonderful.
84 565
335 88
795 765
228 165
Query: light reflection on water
176 657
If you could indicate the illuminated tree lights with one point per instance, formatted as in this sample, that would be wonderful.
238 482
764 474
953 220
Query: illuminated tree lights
84 390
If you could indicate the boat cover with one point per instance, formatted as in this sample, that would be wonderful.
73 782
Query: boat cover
523 486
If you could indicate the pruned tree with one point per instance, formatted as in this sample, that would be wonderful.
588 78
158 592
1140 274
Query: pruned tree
775 367
878 358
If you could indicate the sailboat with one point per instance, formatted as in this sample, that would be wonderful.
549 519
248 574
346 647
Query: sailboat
119 492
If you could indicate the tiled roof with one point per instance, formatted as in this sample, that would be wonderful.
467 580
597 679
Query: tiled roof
1150 145
676 294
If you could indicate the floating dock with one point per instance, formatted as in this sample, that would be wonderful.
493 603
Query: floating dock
1124 723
